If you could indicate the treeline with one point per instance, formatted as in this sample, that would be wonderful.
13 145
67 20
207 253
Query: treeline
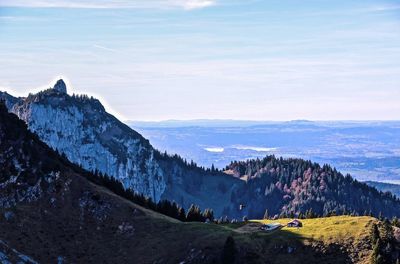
48 94
191 165
309 214
165 207
293 187
386 249
37 159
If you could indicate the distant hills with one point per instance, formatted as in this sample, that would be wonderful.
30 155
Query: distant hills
368 150
79 127
385 187
196 123
247 123
52 212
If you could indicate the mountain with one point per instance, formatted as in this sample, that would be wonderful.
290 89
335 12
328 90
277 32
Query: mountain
9 99
52 212
385 187
79 127
295 186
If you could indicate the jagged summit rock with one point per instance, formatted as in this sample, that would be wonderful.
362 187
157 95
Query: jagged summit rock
60 86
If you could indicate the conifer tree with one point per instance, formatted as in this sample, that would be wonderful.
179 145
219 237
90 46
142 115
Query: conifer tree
374 234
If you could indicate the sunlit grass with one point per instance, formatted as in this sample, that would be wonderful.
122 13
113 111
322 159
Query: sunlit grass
328 229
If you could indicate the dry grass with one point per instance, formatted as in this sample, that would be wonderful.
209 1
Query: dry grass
335 229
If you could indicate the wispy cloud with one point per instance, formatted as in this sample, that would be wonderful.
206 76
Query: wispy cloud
382 8
102 4
104 48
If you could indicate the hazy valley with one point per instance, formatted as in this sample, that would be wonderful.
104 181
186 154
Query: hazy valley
369 151
107 182
127 132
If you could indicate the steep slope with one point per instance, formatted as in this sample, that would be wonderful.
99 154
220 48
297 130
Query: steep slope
345 234
9 99
10 255
53 214
294 186
79 127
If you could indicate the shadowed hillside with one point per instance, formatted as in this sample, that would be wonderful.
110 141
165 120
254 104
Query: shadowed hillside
52 213
79 127
297 187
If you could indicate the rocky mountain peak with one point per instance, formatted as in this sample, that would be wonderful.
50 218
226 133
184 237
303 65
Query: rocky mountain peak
60 86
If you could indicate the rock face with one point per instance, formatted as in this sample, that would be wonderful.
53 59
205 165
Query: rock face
10 100
80 128
60 86
56 214
50 212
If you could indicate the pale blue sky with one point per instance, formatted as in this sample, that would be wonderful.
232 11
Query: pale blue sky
226 59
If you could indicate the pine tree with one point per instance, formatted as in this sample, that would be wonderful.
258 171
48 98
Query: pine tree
194 214
380 216
375 256
374 234
208 214
309 213
386 233
181 214
266 214
395 222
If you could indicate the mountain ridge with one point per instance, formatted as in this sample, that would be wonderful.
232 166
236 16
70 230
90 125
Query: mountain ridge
80 128
51 212
72 220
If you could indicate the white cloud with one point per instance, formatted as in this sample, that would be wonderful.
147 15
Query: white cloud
258 149
215 149
99 4
196 4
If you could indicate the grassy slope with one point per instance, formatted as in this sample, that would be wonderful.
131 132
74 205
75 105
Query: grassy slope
334 229
344 233
44 233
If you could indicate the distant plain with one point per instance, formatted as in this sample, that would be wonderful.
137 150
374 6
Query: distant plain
368 150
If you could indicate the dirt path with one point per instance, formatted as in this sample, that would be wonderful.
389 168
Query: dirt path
249 228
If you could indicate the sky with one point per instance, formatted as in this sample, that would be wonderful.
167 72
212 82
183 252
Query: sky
210 59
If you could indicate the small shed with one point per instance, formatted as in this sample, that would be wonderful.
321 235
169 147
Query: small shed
295 223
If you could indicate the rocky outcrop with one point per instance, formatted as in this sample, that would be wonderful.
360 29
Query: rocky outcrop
60 86
9 100
81 129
